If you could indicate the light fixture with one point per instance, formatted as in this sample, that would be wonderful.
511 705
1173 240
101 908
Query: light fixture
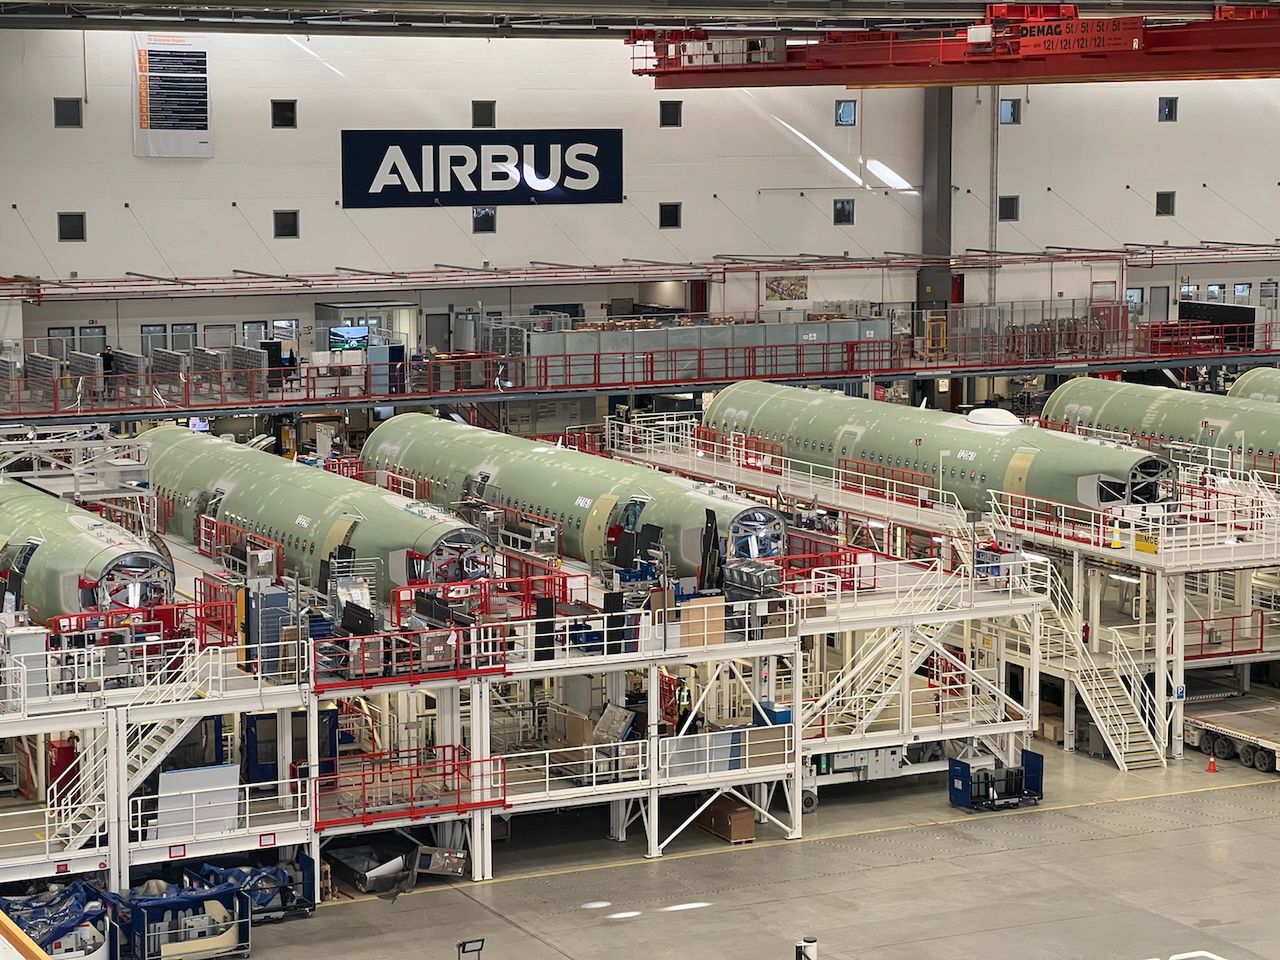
1124 578
1028 555
876 524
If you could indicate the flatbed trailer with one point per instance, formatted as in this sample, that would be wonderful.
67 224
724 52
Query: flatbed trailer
1245 727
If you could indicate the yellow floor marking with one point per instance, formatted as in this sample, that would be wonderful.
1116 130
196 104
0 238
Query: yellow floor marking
743 848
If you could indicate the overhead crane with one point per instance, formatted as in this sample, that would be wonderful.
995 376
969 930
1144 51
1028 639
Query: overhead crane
1012 44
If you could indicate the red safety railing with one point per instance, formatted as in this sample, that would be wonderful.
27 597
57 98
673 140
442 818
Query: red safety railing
214 539
409 656
491 377
891 483
212 623
353 468
409 785
506 598
584 440
1230 636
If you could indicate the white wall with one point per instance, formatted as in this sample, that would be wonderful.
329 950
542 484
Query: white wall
738 165
1088 159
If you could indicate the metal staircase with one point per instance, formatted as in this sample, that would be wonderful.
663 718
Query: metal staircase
861 690
1116 695
78 798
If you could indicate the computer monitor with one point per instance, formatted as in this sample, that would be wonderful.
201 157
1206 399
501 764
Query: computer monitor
348 338
199 424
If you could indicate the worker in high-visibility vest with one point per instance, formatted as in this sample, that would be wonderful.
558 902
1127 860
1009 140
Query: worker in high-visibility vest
684 707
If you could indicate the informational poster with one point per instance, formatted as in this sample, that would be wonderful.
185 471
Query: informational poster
786 288
171 108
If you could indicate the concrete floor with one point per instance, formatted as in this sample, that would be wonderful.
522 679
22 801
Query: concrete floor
1112 867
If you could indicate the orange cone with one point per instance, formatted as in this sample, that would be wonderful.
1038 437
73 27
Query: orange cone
1213 764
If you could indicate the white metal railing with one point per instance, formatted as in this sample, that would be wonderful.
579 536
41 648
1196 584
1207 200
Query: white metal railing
158 819
1205 524
673 440
539 643
727 751
1062 645
544 774
142 673
32 834
76 800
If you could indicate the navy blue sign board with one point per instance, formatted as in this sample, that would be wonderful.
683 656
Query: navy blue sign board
482 168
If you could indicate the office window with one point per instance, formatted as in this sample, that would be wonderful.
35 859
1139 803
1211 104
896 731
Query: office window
1216 292
1167 111
846 113
68 112
1243 291
184 336
484 113
93 339
219 335
154 335
71 227
1007 208
670 113
253 332
1135 297
1189 291
284 114
484 219
285 223
284 329
842 212
669 216
1166 203
1010 111
62 340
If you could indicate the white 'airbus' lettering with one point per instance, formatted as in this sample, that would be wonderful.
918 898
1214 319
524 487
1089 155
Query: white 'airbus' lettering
394 172
493 168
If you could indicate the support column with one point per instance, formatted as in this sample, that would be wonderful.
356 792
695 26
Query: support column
615 685
1162 656
1069 714
116 780
651 826
1177 658
485 784
1031 694
933 284
797 774
1094 578
284 752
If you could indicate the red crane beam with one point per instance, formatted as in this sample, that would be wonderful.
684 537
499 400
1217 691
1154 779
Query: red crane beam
1017 44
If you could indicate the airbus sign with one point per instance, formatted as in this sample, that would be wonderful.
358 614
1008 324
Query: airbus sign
464 168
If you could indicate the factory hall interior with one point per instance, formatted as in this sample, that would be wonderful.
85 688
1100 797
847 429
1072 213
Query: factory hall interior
659 480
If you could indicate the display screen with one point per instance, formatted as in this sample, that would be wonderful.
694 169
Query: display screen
348 338
198 424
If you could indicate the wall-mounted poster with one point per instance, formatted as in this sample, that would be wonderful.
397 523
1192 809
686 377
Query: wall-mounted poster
171 109
786 288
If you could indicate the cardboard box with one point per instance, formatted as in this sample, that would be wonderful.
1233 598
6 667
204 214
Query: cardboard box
1051 729
730 819
766 747
702 622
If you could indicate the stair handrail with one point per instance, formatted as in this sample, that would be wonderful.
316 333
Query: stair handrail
1127 667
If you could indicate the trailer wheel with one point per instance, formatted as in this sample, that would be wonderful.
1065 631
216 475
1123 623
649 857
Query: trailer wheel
1224 748
1264 760
1247 753
808 801
1206 743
